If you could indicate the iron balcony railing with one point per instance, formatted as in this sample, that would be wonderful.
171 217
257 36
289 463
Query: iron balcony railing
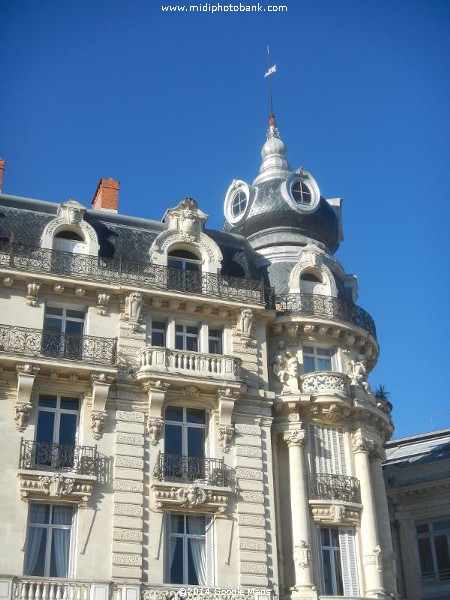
28 341
189 469
82 460
326 307
23 257
324 486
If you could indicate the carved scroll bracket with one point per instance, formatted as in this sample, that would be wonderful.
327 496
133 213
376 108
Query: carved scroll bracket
26 374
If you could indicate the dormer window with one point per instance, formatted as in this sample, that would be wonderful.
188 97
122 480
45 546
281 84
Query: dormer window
301 192
310 277
239 203
68 240
184 271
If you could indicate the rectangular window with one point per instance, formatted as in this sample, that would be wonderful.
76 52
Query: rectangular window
338 561
433 543
56 431
158 334
186 337
317 359
63 332
215 341
184 443
328 450
48 541
188 549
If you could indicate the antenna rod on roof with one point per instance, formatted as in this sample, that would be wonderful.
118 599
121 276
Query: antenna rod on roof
270 71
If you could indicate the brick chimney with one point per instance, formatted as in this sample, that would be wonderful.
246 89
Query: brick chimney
2 170
106 196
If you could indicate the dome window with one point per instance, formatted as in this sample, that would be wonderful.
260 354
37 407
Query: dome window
239 203
310 277
301 192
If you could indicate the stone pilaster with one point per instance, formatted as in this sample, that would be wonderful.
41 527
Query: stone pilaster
371 560
128 497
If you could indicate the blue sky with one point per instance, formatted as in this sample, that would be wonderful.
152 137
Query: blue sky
175 104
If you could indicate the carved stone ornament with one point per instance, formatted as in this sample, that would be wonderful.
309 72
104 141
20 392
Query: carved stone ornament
302 555
8 281
57 485
133 307
225 436
154 428
245 325
33 288
98 420
58 289
284 366
71 212
295 437
191 391
324 381
337 512
358 375
362 444
378 452
191 496
21 413
79 292
102 302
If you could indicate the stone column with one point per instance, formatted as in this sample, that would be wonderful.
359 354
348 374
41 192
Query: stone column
301 538
372 564
384 527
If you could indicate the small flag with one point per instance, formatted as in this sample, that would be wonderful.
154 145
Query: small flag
271 70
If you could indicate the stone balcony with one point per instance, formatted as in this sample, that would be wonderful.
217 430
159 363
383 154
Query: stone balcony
63 471
325 383
49 345
156 360
192 592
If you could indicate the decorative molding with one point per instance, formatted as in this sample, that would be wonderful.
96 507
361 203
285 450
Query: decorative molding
26 374
21 413
362 444
294 437
244 327
129 462
302 555
71 217
253 474
256 497
128 485
251 521
36 485
131 417
251 451
57 485
130 439
128 510
127 535
154 429
284 367
33 288
133 308
8 281
332 513
247 429
252 544
190 497
324 381
129 560
225 434
98 420
103 298
253 568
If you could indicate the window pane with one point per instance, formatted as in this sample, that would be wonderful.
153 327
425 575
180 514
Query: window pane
439 525
323 351
327 573
47 401
52 310
159 325
195 524
442 556
196 442
325 537
179 342
35 559
215 346
338 573
177 523
425 556
45 426
68 429
172 441
215 333
75 314
158 338
54 325
70 403
74 327
422 528
308 349
174 413
308 364
59 555
176 564
324 364
195 415
196 561
192 344
192 330
62 515
39 513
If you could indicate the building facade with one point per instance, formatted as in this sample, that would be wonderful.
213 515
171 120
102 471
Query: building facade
188 409
417 474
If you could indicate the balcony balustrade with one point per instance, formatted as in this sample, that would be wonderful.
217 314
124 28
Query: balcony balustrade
325 486
28 258
324 381
36 455
27 341
192 469
158 359
325 307
40 588
192 592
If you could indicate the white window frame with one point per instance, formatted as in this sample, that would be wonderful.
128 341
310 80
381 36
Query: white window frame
58 411
335 460
348 561
215 338
64 318
185 335
185 425
209 548
50 527
158 330
334 366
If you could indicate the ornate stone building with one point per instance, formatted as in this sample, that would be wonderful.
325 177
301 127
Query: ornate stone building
184 408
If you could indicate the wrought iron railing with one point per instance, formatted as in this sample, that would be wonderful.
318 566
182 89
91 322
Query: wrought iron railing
16 255
325 486
28 341
58 457
326 307
177 467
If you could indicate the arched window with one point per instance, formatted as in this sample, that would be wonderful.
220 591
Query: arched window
311 282
310 277
69 241
184 271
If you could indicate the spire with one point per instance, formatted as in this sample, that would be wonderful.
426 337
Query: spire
274 163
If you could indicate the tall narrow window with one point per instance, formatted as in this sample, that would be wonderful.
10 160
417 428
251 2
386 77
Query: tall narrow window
433 543
63 332
184 271
188 549
48 542
184 443
56 431
338 561
158 333
186 337
215 341
328 450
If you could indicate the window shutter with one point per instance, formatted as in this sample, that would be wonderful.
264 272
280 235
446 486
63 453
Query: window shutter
210 562
328 450
348 561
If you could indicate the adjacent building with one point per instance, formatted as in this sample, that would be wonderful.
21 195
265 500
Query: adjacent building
186 411
417 473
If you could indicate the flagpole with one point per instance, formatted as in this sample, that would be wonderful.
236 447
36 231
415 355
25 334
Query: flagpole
270 82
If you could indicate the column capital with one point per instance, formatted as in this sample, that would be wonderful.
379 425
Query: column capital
377 452
294 437
361 443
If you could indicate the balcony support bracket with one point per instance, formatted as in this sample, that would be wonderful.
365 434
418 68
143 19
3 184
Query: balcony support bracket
26 374
100 388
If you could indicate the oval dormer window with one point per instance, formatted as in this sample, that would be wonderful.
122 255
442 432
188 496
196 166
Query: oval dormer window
239 203
301 192
69 241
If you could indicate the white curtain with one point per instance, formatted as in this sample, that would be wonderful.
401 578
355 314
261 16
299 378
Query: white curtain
62 515
38 514
196 526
